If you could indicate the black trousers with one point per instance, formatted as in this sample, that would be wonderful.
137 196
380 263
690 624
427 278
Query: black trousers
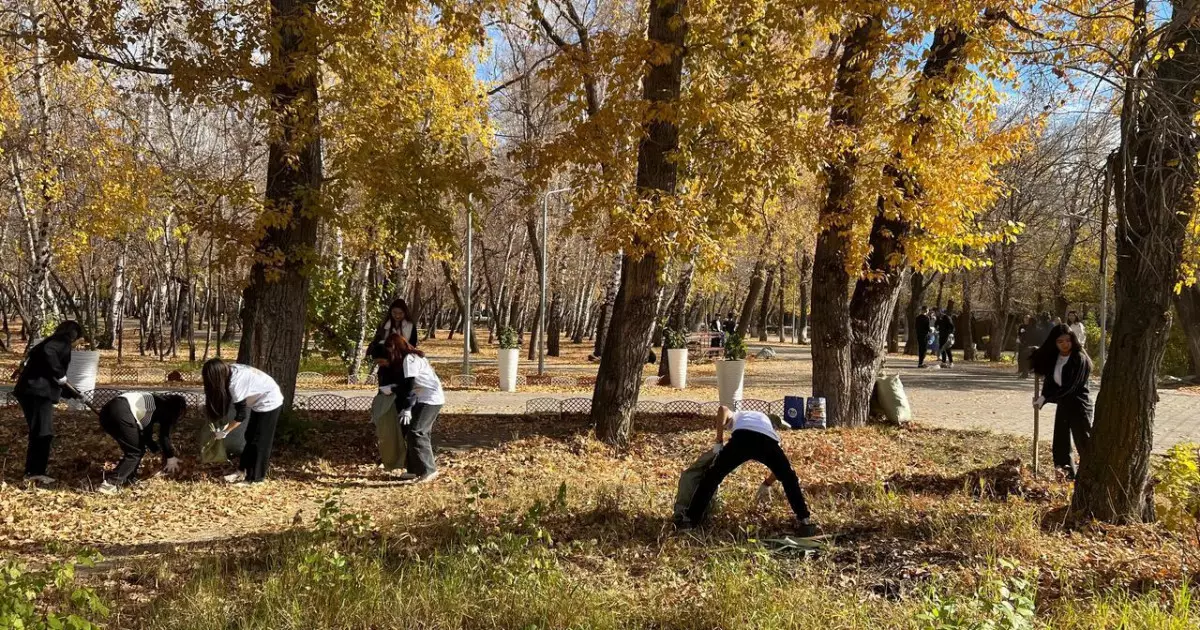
922 348
945 355
1072 419
742 447
418 439
260 435
116 419
39 415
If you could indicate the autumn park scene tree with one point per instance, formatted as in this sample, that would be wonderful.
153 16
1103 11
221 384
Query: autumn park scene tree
455 313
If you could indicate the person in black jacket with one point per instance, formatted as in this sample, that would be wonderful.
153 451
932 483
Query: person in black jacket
39 388
945 330
130 419
922 335
1064 365
398 321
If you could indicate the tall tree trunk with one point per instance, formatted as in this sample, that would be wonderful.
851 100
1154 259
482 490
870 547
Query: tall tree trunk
966 324
1059 283
675 313
1156 189
765 307
618 382
116 307
606 309
756 285
782 313
459 301
806 267
275 310
1187 305
830 310
361 322
893 333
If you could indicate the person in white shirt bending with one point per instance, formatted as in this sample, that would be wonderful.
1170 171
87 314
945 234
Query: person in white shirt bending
419 400
753 437
129 419
255 398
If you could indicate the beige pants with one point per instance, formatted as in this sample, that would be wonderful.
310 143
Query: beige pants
387 430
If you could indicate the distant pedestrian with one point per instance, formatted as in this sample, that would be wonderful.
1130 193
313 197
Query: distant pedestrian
923 327
1065 367
39 387
1025 346
945 332
399 322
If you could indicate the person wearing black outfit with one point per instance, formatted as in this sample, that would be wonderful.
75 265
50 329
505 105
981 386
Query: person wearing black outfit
923 326
753 438
38 389
130 419
1064 365
398 321
945 330
1025 333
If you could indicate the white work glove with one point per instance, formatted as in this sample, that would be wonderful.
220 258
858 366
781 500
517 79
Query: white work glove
221 434
62 381
405 417
1038 402
763 496
716 448
172 465
386 390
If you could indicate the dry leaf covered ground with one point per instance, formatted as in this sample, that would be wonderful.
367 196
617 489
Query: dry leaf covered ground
534 524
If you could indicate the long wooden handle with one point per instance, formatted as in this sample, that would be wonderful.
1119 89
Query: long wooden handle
1037 387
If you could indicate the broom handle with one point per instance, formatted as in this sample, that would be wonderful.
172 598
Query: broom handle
1037 387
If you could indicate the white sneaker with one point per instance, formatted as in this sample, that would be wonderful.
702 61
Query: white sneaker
41 480
108 488
235 477
427 477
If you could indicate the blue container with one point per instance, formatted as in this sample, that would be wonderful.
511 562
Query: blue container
815 416
793 411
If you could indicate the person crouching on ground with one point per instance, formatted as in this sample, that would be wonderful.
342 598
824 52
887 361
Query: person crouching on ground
1065 368
384 413
255 398
130 419
752 437
419 400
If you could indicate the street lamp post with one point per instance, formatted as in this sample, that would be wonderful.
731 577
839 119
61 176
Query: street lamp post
468 329
542 308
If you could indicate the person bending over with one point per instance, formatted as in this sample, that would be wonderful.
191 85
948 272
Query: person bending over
255 399
130 419
752 438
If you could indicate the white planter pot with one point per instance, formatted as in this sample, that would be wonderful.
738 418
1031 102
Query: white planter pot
85 365
677 358
730 376
509 359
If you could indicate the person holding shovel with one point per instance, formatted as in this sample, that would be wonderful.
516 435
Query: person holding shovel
1065 368
256 400
130 419
39 387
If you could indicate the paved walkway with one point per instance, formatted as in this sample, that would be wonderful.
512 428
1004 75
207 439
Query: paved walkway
975 396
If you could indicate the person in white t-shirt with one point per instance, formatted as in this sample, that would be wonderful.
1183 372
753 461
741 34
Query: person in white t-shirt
256 399
1076 327
419 400
753 437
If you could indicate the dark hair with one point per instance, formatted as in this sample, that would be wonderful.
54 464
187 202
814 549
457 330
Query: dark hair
69 330
1071 314
216 374
398 348
170 405
399 303
1047 354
